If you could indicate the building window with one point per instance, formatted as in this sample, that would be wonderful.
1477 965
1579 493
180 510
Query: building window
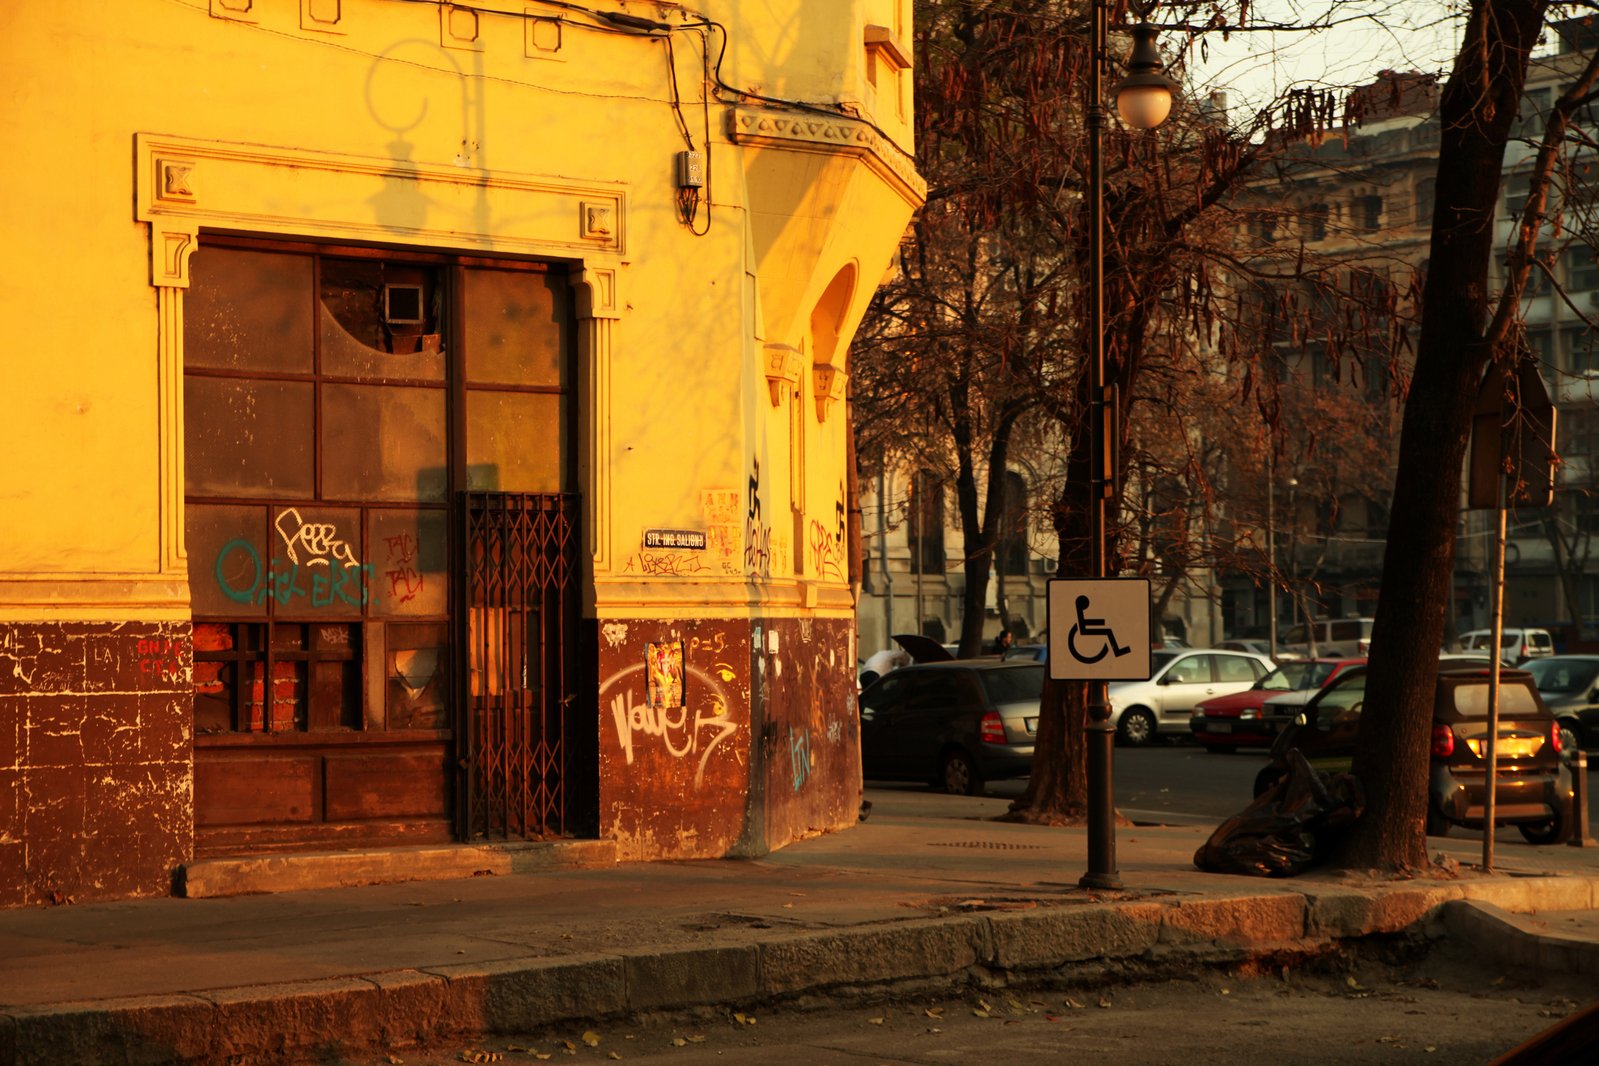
1517 189
1582 273
1316 222
925 528
1426 198
1580 343
1013 554
318 404
1367 213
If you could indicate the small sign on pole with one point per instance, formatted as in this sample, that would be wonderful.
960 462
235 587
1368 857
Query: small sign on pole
1099 629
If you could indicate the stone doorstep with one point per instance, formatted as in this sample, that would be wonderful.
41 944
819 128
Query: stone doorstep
257 874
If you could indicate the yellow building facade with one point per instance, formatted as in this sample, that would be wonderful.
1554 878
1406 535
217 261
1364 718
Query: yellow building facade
427 424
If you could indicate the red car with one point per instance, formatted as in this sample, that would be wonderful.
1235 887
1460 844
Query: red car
1225 723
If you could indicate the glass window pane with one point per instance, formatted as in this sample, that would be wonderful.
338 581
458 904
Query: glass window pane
516 328
248 311
409 552
418 676
382 443
380 320
513 441
247 438
227 560
316 568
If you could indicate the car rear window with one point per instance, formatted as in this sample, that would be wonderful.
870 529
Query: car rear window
1025 684
1290 677
1472 700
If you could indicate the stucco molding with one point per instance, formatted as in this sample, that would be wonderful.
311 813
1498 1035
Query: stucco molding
184 184
823 133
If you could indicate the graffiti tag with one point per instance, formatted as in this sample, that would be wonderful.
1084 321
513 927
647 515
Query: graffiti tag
405 582
319 540
672 725
243 578
799 754
665 564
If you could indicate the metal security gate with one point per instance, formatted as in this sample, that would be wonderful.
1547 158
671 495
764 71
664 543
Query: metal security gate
518 637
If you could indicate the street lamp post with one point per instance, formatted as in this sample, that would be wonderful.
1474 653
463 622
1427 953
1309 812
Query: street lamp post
1143 100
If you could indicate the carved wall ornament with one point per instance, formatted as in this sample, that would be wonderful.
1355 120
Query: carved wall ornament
177 180
598 220
322 15
783 365
238 10
459 28
827 382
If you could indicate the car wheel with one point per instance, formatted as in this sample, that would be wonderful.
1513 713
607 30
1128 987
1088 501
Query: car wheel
1570 736
1221 749
1437 824
1266 779
960 777
1136 727
1553 831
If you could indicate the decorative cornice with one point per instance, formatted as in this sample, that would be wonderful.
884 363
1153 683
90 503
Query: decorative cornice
806 132
183 184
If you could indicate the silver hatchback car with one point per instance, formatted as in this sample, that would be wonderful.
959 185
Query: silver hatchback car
1179 680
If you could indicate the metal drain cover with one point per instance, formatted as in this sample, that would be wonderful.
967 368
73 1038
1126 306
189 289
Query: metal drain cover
992 845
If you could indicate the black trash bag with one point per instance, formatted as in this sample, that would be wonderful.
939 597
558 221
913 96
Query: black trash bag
1288 828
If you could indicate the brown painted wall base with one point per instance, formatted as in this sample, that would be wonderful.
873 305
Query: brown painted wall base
96 772
761 747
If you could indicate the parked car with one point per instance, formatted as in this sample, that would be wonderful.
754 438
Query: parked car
1179 680
1569 685
1339 637
1032 653
954 725
1516 645
1226 723
1533 791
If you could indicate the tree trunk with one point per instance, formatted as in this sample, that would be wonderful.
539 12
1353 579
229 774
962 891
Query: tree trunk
1391 751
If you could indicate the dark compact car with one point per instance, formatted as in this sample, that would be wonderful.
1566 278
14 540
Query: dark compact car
954 725
1534 786
1569 685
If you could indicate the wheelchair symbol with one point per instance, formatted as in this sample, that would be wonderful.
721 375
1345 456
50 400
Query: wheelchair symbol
1092 627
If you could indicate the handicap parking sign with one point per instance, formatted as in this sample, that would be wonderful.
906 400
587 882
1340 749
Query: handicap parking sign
1099 629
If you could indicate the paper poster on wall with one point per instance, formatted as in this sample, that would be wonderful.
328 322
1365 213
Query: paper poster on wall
664 668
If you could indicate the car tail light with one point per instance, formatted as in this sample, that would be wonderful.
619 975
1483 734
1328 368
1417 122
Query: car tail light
992 728
1554 737
1443 742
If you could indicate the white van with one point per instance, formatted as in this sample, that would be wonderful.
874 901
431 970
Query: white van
1516 645
1343 638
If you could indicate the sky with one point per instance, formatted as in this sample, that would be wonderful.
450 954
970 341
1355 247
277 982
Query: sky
1369 36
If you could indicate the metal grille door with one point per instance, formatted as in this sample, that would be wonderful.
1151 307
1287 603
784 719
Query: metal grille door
521 617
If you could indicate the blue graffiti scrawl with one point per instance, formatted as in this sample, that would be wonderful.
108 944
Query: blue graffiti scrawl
799 753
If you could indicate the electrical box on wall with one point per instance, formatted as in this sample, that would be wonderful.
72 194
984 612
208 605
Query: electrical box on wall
691 170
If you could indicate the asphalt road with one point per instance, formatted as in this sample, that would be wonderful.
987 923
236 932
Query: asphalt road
1177 782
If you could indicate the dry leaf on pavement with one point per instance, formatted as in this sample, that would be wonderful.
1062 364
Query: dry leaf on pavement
591 1038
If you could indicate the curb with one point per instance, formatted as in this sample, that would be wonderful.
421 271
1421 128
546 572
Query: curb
1519 939
403 1008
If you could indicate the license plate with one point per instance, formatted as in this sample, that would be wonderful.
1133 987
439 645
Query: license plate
1218 727
1032 724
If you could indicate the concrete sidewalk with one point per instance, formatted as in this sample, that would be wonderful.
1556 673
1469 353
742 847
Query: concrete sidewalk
896 900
